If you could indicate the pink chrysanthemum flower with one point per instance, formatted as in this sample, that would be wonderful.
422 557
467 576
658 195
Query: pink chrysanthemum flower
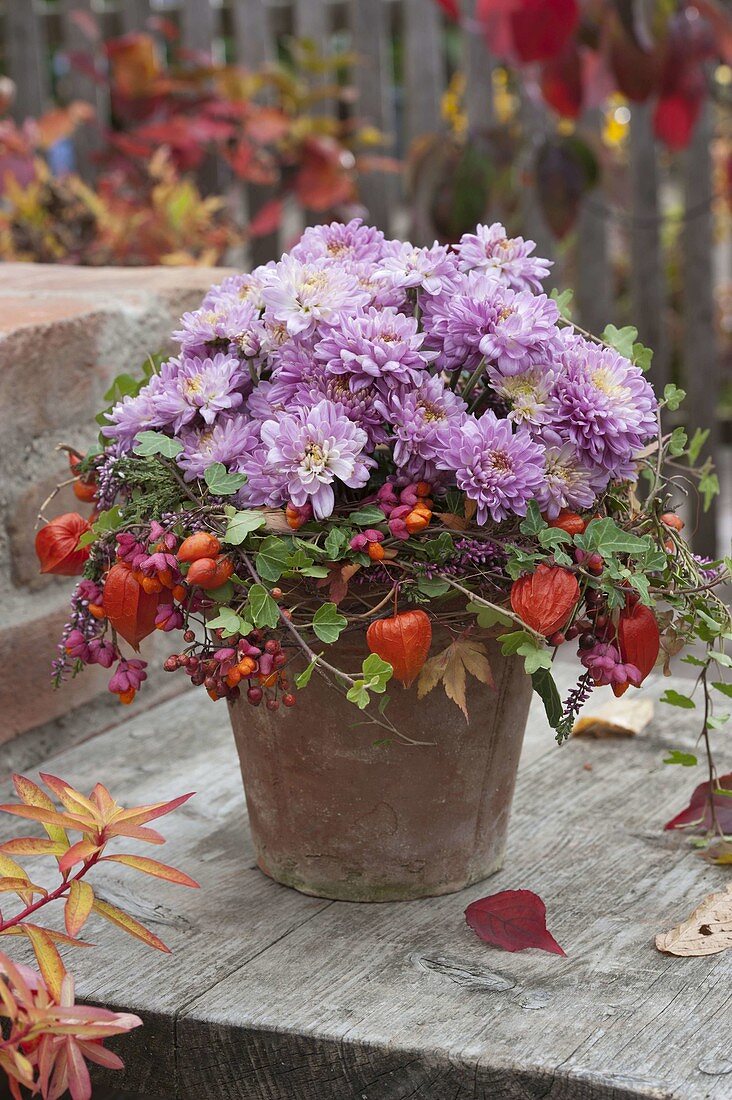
506 258
300 295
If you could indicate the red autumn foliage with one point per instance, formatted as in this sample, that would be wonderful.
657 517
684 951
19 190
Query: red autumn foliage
130 609
698 814
639 639
545 599
542 28
404 641
513 920
561 83
56 545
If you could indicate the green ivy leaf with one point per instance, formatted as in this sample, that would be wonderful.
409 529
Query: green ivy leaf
642 357
674 699
358 694
533 522
488 616
545 687
314 571
673 396
622 339
155 443
376 673
303 679
335 543
242 524
231 623
698 440
603 536
709 488
272 559
718 721
221 482
432 586
261 607
685 759
677 442
564 301
369 516
722 688
328 623
223 594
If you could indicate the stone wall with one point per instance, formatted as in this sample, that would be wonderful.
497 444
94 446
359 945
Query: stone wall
64 334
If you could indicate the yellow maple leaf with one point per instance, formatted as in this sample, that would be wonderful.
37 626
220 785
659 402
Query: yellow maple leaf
450 667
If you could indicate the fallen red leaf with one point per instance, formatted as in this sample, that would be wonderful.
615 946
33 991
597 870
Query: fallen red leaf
513 920
698 813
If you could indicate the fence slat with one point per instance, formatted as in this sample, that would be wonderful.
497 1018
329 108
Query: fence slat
593 275
373 76
646 267
478 69
424 68
88 139
134 15
255 47
701 377
199 25
25 55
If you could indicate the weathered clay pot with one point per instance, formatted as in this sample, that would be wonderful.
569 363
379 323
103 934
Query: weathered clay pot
335 815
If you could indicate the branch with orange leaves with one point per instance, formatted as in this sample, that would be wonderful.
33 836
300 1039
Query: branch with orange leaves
99 819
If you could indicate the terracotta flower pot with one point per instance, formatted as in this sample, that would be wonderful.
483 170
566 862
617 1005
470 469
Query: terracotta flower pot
337 815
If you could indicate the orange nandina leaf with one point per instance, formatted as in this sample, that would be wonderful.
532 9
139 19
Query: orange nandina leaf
80 852
32 795
49 960
136 832
142 814
56 544
545 599
22 886
78 906
33 846
55 937
129 608
128 924
71 799
153 867
49 817
404 641
450 667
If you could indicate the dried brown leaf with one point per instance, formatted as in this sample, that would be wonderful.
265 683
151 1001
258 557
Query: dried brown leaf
450 666
706 932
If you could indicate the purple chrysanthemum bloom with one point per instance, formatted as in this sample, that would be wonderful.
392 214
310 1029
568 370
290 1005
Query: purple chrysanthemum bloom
498 469
456 322
379 344
300 295
509 259
569 481
360 406
295 362
267 399
228 324
353 242
246 286
528 395
524 333
421 419
195 385
227 440
433 270
137 414
604 407
304 453
379 287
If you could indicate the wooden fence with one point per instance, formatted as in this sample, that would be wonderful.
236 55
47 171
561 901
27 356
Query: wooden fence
404 62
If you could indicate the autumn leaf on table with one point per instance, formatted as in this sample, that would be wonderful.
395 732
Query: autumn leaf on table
513 920
450 666
706 932
698 814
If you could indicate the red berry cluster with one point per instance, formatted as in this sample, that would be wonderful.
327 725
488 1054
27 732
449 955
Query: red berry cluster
259 662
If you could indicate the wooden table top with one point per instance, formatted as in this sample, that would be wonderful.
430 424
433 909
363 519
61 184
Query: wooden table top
271 995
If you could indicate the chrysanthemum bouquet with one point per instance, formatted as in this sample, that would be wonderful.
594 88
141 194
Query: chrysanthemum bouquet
373 438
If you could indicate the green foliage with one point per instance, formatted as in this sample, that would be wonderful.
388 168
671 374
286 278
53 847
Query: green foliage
221 482
675 699
328 623
673 396
376 675
155 443
564 301
368 516
230 622
261 608
545 687
684 759
242 524
622 339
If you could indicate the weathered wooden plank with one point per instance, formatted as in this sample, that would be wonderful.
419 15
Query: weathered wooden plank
424 68
646 267
373 76
478 69
134 14
25 57
88 139
401 1000
255 47
199 25
593 277
701 370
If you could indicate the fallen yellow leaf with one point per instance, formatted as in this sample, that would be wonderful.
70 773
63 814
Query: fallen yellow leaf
707 931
